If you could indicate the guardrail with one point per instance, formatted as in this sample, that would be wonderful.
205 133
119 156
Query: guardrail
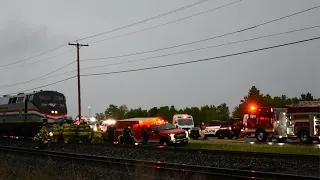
160 167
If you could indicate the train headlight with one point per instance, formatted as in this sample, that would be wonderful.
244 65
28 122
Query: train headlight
52 111
56 112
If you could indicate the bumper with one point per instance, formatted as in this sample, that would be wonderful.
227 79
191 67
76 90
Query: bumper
180 141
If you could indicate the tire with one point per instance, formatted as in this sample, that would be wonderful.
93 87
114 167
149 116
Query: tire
220 136
304 137
261 135
164 142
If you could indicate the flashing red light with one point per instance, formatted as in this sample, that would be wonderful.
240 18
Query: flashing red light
252 108
185 117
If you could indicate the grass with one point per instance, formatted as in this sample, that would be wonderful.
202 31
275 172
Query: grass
266 148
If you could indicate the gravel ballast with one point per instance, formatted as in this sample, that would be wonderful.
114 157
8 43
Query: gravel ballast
276 165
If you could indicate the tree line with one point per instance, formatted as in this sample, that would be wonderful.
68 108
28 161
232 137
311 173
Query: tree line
205 113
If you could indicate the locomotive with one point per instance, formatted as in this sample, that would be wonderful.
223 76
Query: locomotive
23 114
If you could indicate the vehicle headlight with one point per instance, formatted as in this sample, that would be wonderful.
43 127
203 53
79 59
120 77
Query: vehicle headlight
50 134
187 134
189 131
171 136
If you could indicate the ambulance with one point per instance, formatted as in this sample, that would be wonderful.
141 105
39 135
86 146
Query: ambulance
159 131
184 121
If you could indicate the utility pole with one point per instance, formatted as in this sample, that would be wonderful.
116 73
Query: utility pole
78 70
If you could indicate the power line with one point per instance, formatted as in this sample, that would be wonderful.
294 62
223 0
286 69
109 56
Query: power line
167 23
202 60
38 60
164 55
46 52
181 63
56 82
210 38
39 77
64 44
208 47
146 20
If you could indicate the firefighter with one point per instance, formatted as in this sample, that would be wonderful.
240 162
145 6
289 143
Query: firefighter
145 136
87 132
110 131
55 132
176 124
80 131
97 136
127 135
121 139
66 131
42 137
73 131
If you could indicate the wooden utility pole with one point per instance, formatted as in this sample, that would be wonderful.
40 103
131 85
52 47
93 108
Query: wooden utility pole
78 70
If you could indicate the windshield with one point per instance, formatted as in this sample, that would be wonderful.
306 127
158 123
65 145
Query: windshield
186 122
166 126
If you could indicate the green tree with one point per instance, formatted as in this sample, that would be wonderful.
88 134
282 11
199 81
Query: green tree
111 111
100 116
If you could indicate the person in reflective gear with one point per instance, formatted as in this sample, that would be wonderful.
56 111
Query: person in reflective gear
66 131
42 136
145 136
55 131
73 131
176 125
110 131
87 132
121 139
97 136
127 135
80 130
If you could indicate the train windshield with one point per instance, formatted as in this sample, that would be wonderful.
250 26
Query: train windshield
48 101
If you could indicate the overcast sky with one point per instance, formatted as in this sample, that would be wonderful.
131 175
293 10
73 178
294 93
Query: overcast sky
31 27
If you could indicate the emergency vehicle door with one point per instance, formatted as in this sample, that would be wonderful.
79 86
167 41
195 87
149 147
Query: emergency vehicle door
314 125
154 134
282 124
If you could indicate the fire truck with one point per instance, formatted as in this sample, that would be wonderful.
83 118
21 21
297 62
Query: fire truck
158 130
298 121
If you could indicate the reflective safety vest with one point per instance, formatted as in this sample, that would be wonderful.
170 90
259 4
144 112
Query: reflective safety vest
81 130
98 133
72 129
87 130
66 129
55 130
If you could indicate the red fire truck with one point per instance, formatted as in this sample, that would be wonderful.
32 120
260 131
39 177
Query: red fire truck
292 122
158 130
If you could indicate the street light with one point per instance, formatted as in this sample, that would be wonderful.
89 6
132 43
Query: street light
89 111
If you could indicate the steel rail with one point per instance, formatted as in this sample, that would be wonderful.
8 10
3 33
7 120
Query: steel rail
305 157
207 172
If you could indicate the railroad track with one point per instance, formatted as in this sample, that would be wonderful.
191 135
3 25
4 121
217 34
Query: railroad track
311 158
160 167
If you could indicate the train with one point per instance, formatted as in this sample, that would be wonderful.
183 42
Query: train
22 115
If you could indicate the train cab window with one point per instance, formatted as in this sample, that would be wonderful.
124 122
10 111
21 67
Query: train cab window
44 98
10 100
20 99
30 98
14 100
58 98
